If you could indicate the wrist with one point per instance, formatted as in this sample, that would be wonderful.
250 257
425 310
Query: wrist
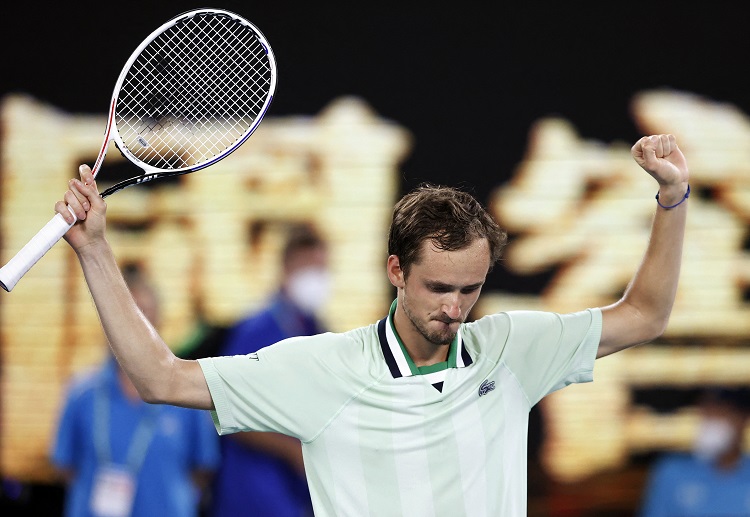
670 196
94 250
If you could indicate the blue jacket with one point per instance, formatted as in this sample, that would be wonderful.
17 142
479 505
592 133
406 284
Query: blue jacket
180 441
250 482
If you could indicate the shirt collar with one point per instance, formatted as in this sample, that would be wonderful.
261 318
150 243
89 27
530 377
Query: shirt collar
397 358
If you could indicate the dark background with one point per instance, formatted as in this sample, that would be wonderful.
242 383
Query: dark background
467 79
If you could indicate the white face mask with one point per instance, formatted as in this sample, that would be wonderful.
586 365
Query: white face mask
715 437
309 289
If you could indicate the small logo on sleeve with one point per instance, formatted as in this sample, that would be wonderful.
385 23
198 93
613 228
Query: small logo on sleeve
486 387
253 356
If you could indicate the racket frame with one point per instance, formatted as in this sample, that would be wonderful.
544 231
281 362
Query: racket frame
112 134
57 227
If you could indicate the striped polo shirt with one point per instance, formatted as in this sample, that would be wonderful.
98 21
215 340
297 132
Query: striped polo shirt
382 437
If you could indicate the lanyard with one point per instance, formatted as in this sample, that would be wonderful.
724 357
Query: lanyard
140 441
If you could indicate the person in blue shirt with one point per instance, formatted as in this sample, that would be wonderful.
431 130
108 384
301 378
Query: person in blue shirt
120 456
713 481
262 474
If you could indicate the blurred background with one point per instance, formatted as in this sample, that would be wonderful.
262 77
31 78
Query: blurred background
532 107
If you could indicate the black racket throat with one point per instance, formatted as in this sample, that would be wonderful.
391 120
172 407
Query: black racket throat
139 180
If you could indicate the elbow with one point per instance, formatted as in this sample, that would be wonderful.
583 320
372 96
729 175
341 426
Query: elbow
150 397
157 388
662 328
638 325
651 316
655 328
167 384
150 394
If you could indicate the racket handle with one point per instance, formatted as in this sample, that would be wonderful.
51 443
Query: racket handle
34 250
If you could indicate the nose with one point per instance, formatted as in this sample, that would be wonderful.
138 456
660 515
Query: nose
452 307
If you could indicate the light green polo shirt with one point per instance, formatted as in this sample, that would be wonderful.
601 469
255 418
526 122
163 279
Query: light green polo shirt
378 436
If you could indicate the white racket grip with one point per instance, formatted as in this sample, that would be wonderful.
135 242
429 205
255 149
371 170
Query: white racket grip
34 250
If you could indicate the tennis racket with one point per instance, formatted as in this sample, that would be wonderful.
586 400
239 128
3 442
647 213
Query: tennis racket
190 94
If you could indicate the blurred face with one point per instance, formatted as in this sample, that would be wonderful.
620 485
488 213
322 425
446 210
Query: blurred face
148 304
306 258
306 278
720 430
439 292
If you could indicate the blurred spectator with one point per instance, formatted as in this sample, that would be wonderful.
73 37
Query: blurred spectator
715 479
120 456
262 474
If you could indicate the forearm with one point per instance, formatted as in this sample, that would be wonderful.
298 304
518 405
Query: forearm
143 355
647 302
157 374
654 286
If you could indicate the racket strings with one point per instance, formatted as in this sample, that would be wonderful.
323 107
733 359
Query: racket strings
193 92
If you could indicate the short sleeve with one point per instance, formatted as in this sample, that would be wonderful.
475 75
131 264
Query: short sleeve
293 387
545 351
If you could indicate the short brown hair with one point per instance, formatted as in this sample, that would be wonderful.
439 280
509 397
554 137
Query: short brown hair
302 237
452 219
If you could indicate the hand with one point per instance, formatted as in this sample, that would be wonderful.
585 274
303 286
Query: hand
660 156
89 207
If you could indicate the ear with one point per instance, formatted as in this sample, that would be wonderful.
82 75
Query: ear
395 274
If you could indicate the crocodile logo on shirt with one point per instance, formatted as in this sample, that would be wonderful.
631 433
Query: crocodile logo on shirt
486 387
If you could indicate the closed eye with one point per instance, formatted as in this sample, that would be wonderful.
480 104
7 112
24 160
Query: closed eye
445 288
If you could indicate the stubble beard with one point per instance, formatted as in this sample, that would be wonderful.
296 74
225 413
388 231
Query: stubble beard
436 337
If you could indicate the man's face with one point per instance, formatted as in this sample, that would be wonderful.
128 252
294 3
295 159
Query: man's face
441 289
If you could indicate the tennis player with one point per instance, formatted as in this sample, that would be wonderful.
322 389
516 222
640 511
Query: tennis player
419 414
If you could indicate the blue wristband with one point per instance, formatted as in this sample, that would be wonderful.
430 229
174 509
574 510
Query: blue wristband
687 195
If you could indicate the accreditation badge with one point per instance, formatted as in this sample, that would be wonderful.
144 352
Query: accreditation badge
113 492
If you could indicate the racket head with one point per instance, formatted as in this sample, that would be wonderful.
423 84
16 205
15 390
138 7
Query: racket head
192 92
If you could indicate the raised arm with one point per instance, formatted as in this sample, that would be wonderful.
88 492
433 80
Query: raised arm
158 375
642 314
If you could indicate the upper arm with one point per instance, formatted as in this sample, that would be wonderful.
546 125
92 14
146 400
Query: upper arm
624 326
186 387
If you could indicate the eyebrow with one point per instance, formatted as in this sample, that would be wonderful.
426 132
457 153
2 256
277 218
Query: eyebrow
434 284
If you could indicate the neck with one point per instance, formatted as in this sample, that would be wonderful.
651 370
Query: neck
730 460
